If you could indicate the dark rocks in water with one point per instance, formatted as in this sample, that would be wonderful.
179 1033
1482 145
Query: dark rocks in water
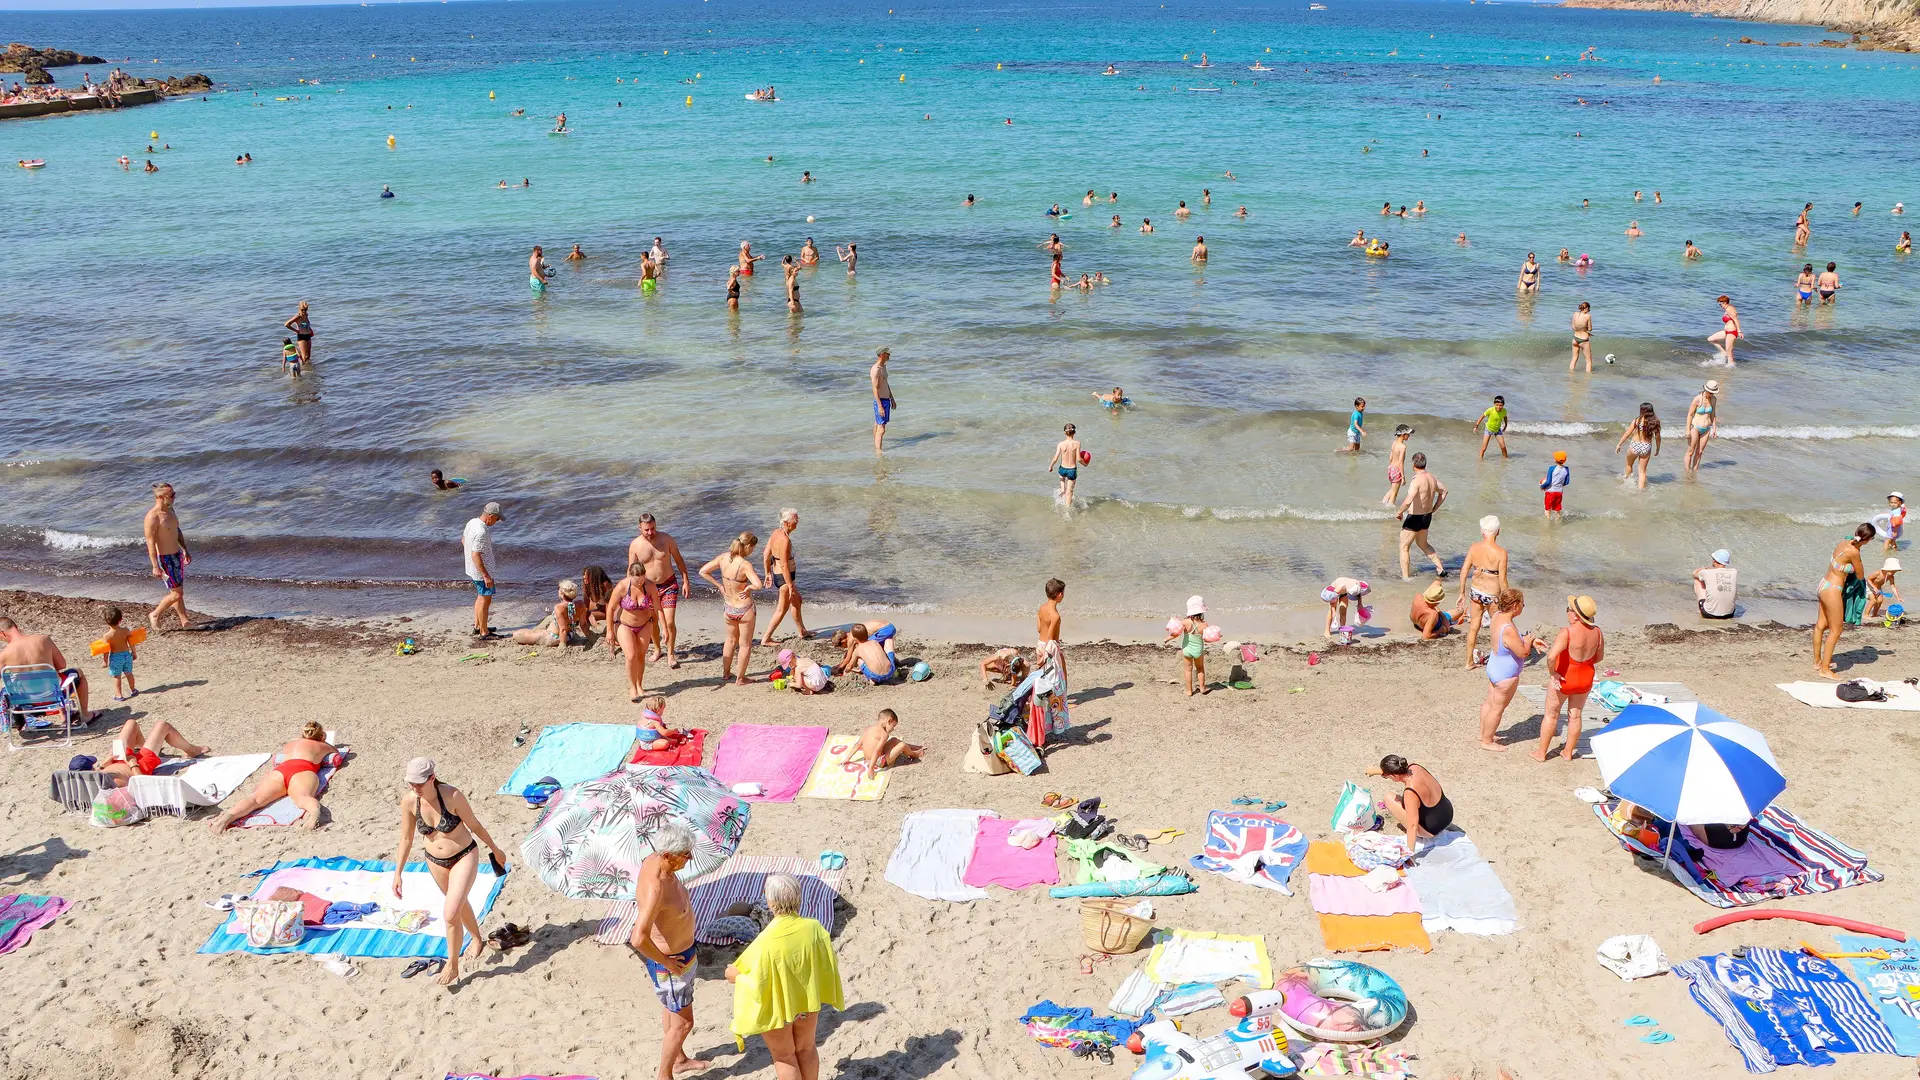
37 76
21 57
179 84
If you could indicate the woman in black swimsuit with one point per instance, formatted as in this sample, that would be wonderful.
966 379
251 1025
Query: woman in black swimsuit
302 334
1422 809
452 837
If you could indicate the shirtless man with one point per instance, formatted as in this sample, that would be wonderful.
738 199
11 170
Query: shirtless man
1424 496
776 562
1570 663
883 400
1426 614
537 269
1049 618
809 254
880 750
660 554
576 255
168 556
26 650
663 938
1066 462
649 272
659 253
1482 576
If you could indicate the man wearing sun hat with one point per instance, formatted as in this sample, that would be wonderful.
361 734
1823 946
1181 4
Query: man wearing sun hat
1570 663
1427 615
1714 586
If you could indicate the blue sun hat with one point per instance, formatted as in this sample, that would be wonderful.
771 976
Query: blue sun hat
920 672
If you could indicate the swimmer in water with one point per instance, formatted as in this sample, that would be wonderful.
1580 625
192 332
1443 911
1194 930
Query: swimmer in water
1111 70
1241 213
1656 198
849 255
1087 199
1585 204
809 254
733 288
1100 278
1386 209
1856 209
1461 240
806 177
1530 275
1899 208
1054 210
1112 197
126 161
386 192
1182 213
659 253
576 255
1052 244
1803 286
1206 197
1564 256
747 259
792 270
516 112
649 272
1199 256
1729 330
538 271
1633 228
968 201
1636 194
560 122
1904 247
1828 283
1401 213
1116 222
1691 252
441 483
151 167
1419 207
1058 274
1229 175
524 182
502 185
1582 339
1146 225
1115 401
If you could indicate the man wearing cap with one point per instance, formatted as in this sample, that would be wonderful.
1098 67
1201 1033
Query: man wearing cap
1555 485
660 554
477 543
1570 663
1426 614
1714 587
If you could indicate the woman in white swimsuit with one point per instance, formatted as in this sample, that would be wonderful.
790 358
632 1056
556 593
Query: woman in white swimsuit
1642 440
736 582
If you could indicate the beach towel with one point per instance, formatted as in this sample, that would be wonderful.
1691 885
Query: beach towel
284 811
1901 696
1824 863
689 752
996 862
1458 890
571 753
1341 1059
777 758
935 847
181 784
529 1076
361 882
1892 985
1359 933
740 878
21 914
1256 849
1785 1008
837 773
1187 956
1331 895
75 790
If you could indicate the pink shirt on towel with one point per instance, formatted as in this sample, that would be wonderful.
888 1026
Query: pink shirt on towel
1332 895
996 862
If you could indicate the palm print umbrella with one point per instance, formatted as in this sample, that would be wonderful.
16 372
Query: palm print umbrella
592 837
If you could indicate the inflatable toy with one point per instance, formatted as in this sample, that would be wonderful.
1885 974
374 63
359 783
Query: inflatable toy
1255 1046
1340 1001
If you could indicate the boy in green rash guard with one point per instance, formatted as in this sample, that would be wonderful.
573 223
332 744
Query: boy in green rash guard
1494 423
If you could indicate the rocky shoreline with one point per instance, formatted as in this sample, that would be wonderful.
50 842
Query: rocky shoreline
1889 25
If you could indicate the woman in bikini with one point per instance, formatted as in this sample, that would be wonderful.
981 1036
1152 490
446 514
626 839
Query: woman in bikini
1482 577
733 288
1729 330
1530 275
1582 336
1703 423
302 334
630 622
1511 649
1422 809
1803 286
590 616
1571 659
1642 440
1831 619
792 270
451 834
297 777
736 582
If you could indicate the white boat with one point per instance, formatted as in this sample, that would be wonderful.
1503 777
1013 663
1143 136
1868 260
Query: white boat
1316 7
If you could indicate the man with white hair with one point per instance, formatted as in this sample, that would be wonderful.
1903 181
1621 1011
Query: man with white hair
1425 494
1482 577
776 562
663 936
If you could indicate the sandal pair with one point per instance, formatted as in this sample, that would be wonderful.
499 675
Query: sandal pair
431 965
1053 800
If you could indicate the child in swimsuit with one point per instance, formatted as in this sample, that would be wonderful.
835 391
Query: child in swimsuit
1190 633
289 358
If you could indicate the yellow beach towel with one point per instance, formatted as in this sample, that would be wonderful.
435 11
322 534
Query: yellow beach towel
787 972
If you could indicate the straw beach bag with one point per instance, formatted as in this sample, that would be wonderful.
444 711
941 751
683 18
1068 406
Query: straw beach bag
1106 926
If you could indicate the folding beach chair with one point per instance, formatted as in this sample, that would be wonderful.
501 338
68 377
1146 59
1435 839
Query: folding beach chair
36 702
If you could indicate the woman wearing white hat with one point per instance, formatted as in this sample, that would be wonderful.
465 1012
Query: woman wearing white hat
1703 423
1191 634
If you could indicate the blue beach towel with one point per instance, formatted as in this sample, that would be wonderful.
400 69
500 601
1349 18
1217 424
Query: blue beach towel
367 878
571 753
1785 1008
1892 985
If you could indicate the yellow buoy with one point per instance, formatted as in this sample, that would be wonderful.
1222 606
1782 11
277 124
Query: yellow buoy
863 61
689 99
389 142
373 56
903 76
696 74
153 134
663 52
1269 49
999 67
412 60
489 95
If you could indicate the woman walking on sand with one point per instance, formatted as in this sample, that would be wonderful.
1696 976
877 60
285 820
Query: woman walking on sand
451 834
1703 423
736 582
1511 649
630 623
1845 565
1642 440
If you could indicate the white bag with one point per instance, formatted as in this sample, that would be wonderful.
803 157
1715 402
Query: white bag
1632 956
270 924
1354 812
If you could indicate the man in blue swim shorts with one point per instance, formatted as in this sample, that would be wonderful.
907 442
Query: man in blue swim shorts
476 541
663 936
882 397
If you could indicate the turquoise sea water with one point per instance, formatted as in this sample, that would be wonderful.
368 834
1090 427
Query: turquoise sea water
142 327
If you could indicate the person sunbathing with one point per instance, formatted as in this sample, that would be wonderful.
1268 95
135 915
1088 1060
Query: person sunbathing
880 750
871 656
297 777
558 628
1004 663
139 755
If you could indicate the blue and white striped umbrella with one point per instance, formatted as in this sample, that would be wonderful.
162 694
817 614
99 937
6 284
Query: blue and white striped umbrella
1688 764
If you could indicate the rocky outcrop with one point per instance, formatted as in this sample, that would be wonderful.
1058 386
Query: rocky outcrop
179 84
1870 24
21 57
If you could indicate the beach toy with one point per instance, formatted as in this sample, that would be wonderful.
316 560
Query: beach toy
809 219
1253 1043
779 684
1211 635
1719 921
1366 614
1346 633
1085 457
1339 1001
920 672
1173 626
390 141
1610 358
138 635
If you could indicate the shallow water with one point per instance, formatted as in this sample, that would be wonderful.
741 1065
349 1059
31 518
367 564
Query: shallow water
142 334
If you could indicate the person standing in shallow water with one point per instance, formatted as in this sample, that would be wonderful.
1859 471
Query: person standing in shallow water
1425 494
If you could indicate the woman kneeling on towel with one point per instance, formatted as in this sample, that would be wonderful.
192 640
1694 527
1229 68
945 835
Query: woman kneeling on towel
296 777
452 835
781 981
1423 809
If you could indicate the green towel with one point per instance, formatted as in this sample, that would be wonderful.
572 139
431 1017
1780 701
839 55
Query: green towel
1854 595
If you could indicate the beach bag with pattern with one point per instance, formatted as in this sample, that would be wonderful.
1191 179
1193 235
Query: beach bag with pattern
1354 811
270 924
1020 753
114 807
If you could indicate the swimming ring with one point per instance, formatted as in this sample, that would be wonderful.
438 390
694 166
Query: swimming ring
1340 1001
1885 529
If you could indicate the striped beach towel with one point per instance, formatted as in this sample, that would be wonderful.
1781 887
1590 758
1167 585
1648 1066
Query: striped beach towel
741 878
1825 864
1785 1008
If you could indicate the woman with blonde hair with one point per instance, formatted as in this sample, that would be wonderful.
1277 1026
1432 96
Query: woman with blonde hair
296 776
630 622
558 628
451 834
781 981
736 582
1511 650
1844 566
1703 423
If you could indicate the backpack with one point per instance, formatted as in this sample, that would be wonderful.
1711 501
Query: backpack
1858 690
1007 712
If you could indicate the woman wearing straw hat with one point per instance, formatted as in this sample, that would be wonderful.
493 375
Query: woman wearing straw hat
1570 662
1703 423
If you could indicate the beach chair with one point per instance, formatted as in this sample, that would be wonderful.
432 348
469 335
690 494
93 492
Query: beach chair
36 701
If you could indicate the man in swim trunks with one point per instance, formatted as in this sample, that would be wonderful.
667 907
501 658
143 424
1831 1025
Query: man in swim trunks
167 555
28 650
777 563
663 937
537 270
1571 660
1427 615
649 272
883 400
1425 495
660 554
1066 462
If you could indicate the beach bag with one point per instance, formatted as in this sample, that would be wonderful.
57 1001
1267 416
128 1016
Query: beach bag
1858 690
1007 712
270 924
1106 926
1020 753
1353 811
114 807
1616 695
980 757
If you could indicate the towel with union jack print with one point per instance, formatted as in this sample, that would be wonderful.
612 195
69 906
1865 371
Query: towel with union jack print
1255 848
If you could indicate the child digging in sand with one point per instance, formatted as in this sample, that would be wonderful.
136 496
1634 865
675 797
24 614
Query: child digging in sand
1191 632
1004 663
120 655
880 750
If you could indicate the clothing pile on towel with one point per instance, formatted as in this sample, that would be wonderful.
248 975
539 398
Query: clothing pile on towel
1785 1008
1067 1028
1255 849
1189 956
1820 863
1355 917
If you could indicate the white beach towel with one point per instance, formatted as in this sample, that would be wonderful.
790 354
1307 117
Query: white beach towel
1136 994
202 782
1189 957
1901 697
1458 890
935 848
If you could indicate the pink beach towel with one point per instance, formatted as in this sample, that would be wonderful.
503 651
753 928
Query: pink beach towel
996 862
1332 895
776 758
21 914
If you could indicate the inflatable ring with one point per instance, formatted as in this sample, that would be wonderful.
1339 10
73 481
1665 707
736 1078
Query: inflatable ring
1317 989
1883 525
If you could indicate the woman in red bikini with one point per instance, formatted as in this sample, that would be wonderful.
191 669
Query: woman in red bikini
297 777
1571 659
1729 330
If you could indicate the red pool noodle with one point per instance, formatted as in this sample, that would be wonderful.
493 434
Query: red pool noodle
1719 921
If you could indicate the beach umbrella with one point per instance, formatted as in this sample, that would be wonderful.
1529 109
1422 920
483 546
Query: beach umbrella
1687 764
592 837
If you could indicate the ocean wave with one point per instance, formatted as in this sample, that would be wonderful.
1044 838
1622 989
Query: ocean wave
73 541
1820 431
1829 518
1564 428
1302 513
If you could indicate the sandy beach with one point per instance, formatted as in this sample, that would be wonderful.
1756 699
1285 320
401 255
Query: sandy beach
114 988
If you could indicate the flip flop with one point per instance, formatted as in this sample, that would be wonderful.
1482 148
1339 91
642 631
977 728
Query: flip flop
1641 1021
1163 836
1277 804
1656 1037
832 860
1086 963
1248 800
225 901
426 964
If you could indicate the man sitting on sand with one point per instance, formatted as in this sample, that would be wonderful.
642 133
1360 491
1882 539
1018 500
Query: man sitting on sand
1715 587
880 750
139 755
663 936
30 650
1427 616
873 658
